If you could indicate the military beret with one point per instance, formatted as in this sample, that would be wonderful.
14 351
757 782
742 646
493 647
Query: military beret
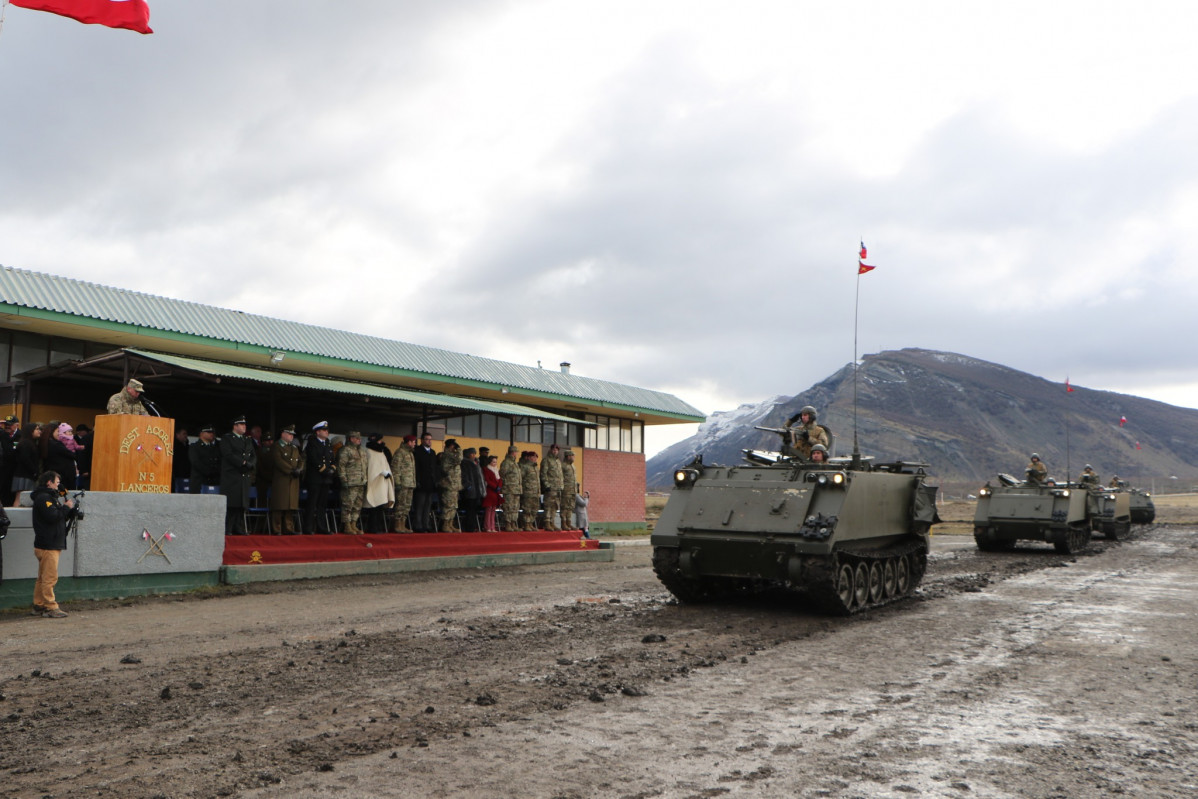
411 438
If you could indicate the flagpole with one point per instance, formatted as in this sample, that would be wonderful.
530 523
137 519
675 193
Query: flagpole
856 310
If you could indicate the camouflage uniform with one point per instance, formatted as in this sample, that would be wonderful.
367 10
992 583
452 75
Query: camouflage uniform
551 486
1036 472
1089 478
351 465
449 464
121 402
806 436
569 490
513 485
530 498
403 472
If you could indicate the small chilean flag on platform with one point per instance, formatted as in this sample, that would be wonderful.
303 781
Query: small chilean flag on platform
131 14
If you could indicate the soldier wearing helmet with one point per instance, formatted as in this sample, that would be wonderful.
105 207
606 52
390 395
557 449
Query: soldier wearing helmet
819 454
1036 471
1089 477
806 435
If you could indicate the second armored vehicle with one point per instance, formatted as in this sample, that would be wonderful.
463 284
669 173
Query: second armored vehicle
1020 511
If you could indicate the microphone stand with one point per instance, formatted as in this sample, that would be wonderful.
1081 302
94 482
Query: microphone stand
150 406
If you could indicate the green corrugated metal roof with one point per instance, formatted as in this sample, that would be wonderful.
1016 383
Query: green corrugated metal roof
295 380
37 290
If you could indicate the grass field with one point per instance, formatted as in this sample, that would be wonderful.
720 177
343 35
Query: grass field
957 515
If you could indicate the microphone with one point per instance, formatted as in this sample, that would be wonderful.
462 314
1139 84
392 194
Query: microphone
149 405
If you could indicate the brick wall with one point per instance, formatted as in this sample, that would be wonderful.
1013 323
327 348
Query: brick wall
616 481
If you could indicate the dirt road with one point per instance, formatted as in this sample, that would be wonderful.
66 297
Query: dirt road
1022 675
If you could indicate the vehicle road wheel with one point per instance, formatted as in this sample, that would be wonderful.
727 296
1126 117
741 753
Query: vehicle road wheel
861 585
902 576
844 585
876 591
889 581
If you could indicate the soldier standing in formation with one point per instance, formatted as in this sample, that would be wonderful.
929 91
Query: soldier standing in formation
806 435
513 486
403 472
1036 471
351 465
128 400
319 469
204 456
530 497
238 464
569 490
287 464
449 464
551 486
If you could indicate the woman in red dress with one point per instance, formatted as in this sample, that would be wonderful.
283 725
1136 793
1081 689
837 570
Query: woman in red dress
493 499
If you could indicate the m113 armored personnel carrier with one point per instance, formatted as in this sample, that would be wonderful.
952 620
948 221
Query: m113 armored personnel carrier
1061 514
849 533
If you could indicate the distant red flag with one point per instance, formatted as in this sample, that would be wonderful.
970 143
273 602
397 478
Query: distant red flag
862 254
1138 445
862 268
1068 387
1122 420
131 14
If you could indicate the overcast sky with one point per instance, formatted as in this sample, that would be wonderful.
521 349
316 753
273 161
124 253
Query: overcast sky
666 194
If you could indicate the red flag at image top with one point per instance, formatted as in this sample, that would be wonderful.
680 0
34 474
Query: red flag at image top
131 14
863 254
862 268
1068 387
1138 445
1122 420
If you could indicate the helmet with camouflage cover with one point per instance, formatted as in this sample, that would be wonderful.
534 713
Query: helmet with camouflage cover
808 409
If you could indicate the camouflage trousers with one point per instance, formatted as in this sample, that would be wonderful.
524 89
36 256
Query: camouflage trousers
511 511
352 498
552 505
403 505
530 504
449 510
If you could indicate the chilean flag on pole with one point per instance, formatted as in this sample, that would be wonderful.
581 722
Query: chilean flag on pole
131 14
863 267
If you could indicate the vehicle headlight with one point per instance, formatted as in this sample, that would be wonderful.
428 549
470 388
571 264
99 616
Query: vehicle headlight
1061 492
838 479
985 492
685 478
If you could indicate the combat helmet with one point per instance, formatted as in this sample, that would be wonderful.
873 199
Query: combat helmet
809 409
1035 456
820 448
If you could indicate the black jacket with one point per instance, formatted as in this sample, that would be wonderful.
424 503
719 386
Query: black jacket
205 465
426 468
61 460
320 464
49 519
473 487
238 465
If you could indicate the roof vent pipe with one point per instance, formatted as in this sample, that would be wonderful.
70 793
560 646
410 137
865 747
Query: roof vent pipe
565 367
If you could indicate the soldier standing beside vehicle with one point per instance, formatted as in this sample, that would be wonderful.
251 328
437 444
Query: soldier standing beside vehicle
513 486
403 472
806 435
351 465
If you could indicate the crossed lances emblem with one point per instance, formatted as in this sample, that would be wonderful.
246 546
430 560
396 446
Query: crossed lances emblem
156 544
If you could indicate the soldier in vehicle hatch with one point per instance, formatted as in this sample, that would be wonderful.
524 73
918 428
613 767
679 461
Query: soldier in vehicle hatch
1036 471
806 435
1089 477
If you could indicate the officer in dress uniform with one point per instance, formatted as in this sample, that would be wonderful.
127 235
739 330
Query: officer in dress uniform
320 469
204 456
287 466
238 465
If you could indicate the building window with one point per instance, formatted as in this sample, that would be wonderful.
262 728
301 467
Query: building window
29 351
609 432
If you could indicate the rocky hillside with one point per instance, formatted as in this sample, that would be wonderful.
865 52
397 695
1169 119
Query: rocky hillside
968 418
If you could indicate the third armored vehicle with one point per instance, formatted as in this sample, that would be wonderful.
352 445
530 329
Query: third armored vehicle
849 533
1113 514
1015 511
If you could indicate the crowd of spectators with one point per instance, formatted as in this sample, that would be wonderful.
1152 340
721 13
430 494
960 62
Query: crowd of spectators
26 451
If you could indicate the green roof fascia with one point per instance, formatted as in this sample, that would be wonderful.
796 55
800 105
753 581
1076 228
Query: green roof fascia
154 332
321 383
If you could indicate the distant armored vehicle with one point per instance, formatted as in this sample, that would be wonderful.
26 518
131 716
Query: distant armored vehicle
1143 510
1112 513
1020 511
849 533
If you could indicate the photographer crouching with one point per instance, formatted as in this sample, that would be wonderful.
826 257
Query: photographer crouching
51 513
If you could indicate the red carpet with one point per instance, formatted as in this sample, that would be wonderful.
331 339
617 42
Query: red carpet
245 549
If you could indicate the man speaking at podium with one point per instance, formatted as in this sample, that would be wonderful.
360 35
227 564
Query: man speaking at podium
128 400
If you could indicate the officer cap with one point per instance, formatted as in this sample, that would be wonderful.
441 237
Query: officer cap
320 425
268 436
208 428
238 420
469 451
135 385
10 419
288 429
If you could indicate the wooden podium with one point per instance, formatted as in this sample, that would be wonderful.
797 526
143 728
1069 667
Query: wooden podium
133 453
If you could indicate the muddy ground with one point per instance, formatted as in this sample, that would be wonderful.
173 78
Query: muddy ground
1028 674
